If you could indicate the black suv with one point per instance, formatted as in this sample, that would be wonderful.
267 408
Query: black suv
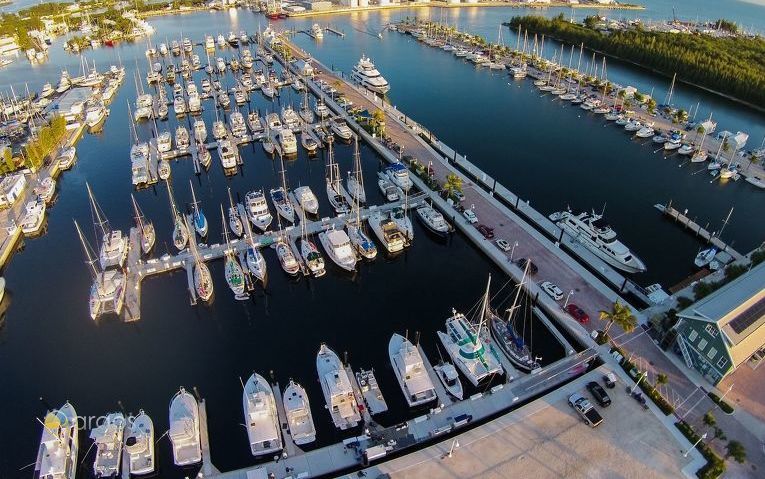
599 393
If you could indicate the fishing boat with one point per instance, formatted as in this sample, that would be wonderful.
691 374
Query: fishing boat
463 343
410 371
114 246
450 379
387 232
298 411
107 438
57 455
184 429
433 220
591 230
260 416
257 209
337 244
233 270
180 230
146 228
234 221
286 257
139 445
335 191
337 389
197 215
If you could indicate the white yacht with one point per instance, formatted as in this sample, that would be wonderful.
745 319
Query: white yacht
388 189
387 232
139 445
433 220
593 232
290 118
200 130
282 204
67 157
238 127
182 139
338 246
228 154
287 258
410 371
367 75
59 445
260 416
108 441
321 110
287 141
403 222
307 199
34 216
399 175
298 412
317 31
340 128
219 129
164 142
257 209
184 429
337 389
449 377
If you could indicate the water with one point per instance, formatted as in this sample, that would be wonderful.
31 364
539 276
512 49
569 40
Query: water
50 348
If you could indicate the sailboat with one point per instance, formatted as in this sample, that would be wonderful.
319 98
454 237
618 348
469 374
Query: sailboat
253 257
180 231
232 268
355 182
355 226
200 221
148 235
279 198
335 190
107 293
310 253
463 343
203 284
505 334
114 246
234 221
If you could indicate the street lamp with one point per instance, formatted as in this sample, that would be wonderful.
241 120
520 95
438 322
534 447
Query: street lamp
455 444
568 296
703 436
513 250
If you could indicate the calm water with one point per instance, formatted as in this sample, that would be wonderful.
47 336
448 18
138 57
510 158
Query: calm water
50 348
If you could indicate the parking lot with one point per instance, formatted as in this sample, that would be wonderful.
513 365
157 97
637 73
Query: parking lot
547 439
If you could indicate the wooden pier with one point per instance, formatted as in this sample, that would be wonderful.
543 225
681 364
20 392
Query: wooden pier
690 225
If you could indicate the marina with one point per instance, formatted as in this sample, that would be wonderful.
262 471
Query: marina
284 314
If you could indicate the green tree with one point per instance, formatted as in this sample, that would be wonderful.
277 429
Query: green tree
709 419
737 451
621 315
662 380
453 184
651 104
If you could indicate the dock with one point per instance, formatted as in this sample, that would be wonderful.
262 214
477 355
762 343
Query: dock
284 426
371 392
207 465
690 225
335 31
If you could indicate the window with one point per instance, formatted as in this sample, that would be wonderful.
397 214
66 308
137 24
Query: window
711 353
702 344
722 362
712 330
692 337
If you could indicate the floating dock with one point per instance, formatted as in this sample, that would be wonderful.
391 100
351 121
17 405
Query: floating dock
690 225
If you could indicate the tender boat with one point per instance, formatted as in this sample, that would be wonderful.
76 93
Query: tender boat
184 429
337 244
139 445
107 438
410 371
260 416
449 377
298 412
337 389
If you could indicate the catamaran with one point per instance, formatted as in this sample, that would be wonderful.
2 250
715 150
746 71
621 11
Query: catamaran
59 444
260 416
107 291
257 209
146 228
180 231
298 412
114 247
184 429
463 343
198 217
233 270
108 441
337 389
410 371
139 445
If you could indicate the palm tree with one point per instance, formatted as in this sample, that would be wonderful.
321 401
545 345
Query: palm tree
662 380
621 315
453 183
378 120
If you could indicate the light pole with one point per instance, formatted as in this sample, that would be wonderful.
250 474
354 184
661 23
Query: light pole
703 436
455 444
512 251
568 296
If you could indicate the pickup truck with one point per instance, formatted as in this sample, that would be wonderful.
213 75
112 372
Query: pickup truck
583 407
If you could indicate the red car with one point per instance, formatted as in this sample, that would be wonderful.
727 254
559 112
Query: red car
486 231
577 313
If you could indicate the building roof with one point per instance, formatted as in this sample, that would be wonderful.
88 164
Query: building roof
738 310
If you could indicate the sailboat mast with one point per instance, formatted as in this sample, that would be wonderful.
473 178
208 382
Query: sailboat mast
138 215
484 305
99 219
90 257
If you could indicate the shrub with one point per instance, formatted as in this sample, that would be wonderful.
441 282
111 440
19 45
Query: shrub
727 408
737 451
715 466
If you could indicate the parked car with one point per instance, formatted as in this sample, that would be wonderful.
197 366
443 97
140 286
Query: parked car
577 313
553 290
486 231
587 411
504 245
470 216
599 393
521 263
610 380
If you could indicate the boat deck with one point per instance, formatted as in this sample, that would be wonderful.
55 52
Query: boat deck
444 399
290 447
371 392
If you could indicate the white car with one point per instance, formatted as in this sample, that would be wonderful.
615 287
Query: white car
470 216
553 290
504 245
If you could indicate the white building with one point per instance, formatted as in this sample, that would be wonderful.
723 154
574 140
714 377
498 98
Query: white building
11 188
350 3
8 45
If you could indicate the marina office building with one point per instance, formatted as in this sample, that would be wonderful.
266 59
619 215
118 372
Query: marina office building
723 330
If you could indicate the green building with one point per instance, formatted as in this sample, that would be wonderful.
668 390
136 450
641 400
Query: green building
720 332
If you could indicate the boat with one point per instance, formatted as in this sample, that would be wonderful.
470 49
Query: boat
107 292
95 116
175 48
198 217
705 257
362 244
287 142
591 230
321 110
184 429
387 232
463 342
410 371
139 445
335 191
337 244
219 130
450 379
200 131
163 169
298 411
229 154
253 257
279 198
164 142
66 158
399 175
390 191
308 142
47 90
290 119
45 189
203 285
107 438
234 221
146 228
209 42
310 253
355 181
182 139
756 181
180 230
57 455
686 150
365 73
403 222
340 128
205 158
317 31
645 132
337 389
433 220
260 416
286 257
257 209
307 199
238 127
114 246
253 121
